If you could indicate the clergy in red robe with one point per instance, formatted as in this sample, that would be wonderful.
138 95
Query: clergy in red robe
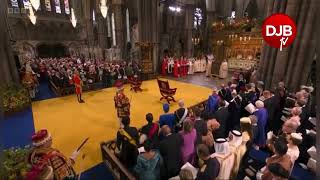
164 68
176 68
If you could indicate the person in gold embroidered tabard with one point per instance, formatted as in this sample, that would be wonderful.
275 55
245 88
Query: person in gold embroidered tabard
121 102
225 158
44 153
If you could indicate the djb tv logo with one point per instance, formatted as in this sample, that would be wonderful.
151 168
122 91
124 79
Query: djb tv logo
279 30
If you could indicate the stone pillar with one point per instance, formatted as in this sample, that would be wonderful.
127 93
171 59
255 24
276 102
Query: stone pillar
261 8
119 18
303 55
148 23
281 62
189 18
8 70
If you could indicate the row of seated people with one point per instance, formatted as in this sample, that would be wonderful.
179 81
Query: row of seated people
60 70
216 139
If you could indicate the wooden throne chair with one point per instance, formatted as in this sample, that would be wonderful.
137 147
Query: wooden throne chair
166 92
135 84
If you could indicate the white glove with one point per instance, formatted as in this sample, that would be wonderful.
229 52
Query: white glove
74 155
269 135
311 132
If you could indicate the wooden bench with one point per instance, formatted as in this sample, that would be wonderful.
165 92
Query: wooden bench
118 170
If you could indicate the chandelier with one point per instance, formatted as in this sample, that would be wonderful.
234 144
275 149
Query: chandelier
32 17
103 8
73 18
35 4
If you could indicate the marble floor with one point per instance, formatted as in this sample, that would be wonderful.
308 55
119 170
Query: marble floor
201 80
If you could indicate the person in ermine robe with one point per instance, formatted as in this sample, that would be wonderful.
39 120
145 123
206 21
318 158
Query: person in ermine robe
209 65
223 72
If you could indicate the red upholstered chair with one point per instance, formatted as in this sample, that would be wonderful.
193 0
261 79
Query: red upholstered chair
135 84
165 91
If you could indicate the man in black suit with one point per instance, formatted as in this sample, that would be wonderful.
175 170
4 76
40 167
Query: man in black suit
170 151
222 116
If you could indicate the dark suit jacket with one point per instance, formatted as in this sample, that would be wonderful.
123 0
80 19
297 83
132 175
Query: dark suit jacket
222 116
170 151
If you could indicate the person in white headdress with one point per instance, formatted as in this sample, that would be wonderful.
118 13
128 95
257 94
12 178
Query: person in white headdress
225 157
223 72
235 142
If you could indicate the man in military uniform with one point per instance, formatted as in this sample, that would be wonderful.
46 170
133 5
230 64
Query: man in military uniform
121 101
43 153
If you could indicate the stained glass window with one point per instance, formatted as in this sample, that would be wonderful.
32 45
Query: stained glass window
66 6
14 3
57 5
48 5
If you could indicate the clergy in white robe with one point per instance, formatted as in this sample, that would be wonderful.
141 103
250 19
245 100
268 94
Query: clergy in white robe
191 66
209 65
223 72
225 157
203 64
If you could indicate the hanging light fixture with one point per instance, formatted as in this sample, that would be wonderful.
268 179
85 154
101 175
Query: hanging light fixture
35 4
32 17
103 8
73 18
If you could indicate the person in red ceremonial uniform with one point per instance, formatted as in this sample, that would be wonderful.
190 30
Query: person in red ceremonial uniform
164 68
176 68
44 155
78 85
121 102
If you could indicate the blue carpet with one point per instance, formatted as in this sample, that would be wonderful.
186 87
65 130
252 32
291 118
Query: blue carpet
44 91
98 172
17 129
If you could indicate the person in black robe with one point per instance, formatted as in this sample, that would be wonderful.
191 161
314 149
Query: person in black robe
234 113
211 166
127 140
280 94
170 150
222 116
270 104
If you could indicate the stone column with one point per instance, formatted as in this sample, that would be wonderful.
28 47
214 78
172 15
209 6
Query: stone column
303 53
189 18
281 63
119 18
148 23
8 70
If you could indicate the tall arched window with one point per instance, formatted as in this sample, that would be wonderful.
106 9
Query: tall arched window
66 6
57 5
14 3
197 18
48 5
26 4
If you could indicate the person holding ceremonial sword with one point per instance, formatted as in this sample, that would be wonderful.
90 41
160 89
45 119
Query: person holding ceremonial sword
122 102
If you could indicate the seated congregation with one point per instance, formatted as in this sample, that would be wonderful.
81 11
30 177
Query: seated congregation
58 72
219 138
